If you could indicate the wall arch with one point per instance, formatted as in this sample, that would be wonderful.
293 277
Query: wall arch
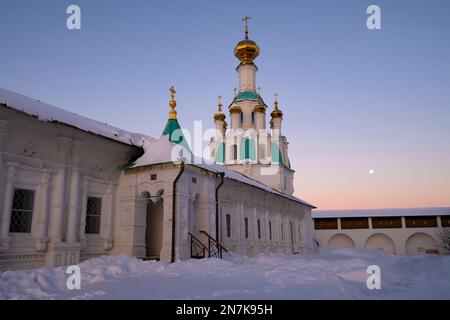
340 241
381 241
420 243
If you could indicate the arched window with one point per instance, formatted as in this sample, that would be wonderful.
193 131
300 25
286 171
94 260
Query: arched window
242 117
253 117
248 151
262 151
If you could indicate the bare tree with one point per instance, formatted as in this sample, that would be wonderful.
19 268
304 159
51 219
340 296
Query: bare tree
444 238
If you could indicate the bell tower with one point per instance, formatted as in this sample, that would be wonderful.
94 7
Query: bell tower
248 146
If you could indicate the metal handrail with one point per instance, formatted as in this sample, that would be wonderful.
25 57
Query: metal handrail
214 240
196 242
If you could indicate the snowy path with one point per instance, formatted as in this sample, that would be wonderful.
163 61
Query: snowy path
337 275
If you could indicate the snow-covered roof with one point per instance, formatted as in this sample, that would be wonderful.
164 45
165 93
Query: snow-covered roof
46 112
400 212
160 151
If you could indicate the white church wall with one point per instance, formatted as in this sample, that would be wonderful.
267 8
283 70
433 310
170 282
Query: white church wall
57 162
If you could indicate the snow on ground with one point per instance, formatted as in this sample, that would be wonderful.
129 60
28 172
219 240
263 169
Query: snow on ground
340 274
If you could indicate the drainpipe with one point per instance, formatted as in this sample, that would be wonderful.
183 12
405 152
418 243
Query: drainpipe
174 203
221 174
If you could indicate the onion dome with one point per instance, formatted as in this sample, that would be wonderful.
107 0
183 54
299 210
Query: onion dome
260 107
235 109
219 115
246 50
276 113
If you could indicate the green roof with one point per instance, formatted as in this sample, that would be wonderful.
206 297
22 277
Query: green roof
248 95
175 133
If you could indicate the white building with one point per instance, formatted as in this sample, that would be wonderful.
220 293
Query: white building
396 231
73 188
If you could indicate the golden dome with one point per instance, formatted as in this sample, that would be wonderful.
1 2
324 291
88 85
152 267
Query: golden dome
246 50
235 108
172 104
276 113
219 115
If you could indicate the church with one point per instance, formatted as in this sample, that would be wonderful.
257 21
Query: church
73 188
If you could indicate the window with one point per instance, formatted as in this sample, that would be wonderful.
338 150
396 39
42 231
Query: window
93 215
270 230
421 222
194 180
325 223
445 220
299 234
228 222
386 222
262 151
253 117
246 227
282 232
153 177
234 151
242 118
259 229
354 223
291 231
22 211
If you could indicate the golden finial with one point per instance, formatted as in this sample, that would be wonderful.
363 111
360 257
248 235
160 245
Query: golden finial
220 103
276 113
172 104
246 18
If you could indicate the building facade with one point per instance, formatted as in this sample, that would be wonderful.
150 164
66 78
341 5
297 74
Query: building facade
73 188
395 231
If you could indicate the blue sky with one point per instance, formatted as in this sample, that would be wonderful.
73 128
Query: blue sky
353 99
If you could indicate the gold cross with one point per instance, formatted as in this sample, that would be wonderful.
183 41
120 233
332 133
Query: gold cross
172 93
220 103
246 18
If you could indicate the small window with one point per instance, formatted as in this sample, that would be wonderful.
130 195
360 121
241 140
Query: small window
194 180
22 211
253 117
270 230
153 177
93 215
228 222
242 117
246 227
259 229
262 151
282 232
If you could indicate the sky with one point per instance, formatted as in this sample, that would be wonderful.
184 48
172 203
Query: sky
366 112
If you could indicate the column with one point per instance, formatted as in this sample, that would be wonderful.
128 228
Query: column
3 134
72 221
107 232
58 193
84 190
7 203
41 237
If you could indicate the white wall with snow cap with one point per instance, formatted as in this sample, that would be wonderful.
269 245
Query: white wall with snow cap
46 112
